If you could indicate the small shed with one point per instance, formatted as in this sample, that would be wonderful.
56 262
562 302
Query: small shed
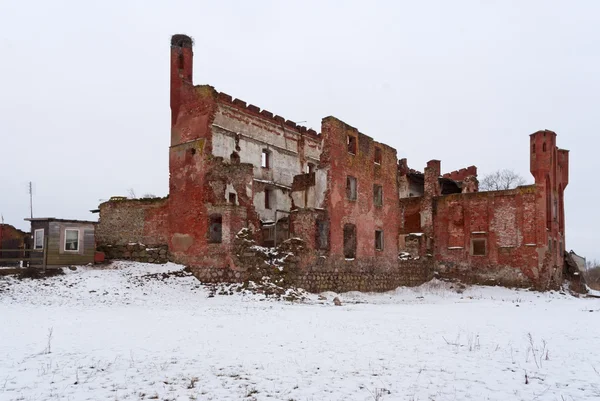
68 242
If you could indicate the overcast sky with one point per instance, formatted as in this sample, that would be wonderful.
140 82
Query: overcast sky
84 104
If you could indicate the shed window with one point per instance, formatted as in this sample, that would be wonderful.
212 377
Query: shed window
478 247
377 195
38 239
351 143
349 241
71 240
215 229
351 188
265 161
377 156
379 240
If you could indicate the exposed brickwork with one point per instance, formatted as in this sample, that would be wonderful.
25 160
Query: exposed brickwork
133 220
358 218
461 174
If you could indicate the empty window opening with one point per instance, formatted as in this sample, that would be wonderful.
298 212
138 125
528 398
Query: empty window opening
268 195
215 229
544 147
377 195
322 234
377 155
232 198
310 168
193 151
71 240
379 240
548 203
235 158
38 239
351 188
349 241
478 247
265 161
351 142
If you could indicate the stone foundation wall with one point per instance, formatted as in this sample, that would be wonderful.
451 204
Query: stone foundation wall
284 265
483 275
410 273
136 252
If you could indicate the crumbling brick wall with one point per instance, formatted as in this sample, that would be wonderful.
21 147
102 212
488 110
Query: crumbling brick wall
500 222
133 220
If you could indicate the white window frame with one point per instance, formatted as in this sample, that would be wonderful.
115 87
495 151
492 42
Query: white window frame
35 244
266 159
78 239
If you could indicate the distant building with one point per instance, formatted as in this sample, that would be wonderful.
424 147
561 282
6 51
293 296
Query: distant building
68 242
14 239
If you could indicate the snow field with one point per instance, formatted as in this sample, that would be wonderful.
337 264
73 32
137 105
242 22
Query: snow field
114 335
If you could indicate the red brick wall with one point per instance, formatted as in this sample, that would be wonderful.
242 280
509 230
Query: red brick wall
363 213
503 219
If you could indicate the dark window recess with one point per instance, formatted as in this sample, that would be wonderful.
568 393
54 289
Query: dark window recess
351 142
265 160
349 241
377 195
235 158
351 188
232 198
215 228
322 234
379 240
310 168
267 198
544 147
548 202
378 155
478 247
533 148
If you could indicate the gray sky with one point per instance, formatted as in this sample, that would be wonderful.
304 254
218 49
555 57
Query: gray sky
84 105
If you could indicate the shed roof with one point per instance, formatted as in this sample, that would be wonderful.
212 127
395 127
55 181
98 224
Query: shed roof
60 220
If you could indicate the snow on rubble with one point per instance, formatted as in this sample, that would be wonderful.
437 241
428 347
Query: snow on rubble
142 331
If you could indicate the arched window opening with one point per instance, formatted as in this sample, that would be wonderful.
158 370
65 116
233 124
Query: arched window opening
548 203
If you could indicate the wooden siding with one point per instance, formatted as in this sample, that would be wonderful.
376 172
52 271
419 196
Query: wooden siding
57 256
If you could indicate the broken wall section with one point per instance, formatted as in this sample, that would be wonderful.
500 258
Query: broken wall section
490 237
278 149
134 229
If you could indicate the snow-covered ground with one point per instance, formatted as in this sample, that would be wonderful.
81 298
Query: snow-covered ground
114 335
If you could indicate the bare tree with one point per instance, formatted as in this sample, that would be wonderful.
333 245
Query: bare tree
501 180
592 274
131 193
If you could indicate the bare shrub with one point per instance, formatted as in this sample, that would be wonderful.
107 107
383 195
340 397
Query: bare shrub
501 180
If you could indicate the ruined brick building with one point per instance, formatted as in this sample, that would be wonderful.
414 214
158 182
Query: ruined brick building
361 219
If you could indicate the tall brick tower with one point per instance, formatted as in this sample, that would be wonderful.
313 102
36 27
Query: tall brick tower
182 59
549 166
